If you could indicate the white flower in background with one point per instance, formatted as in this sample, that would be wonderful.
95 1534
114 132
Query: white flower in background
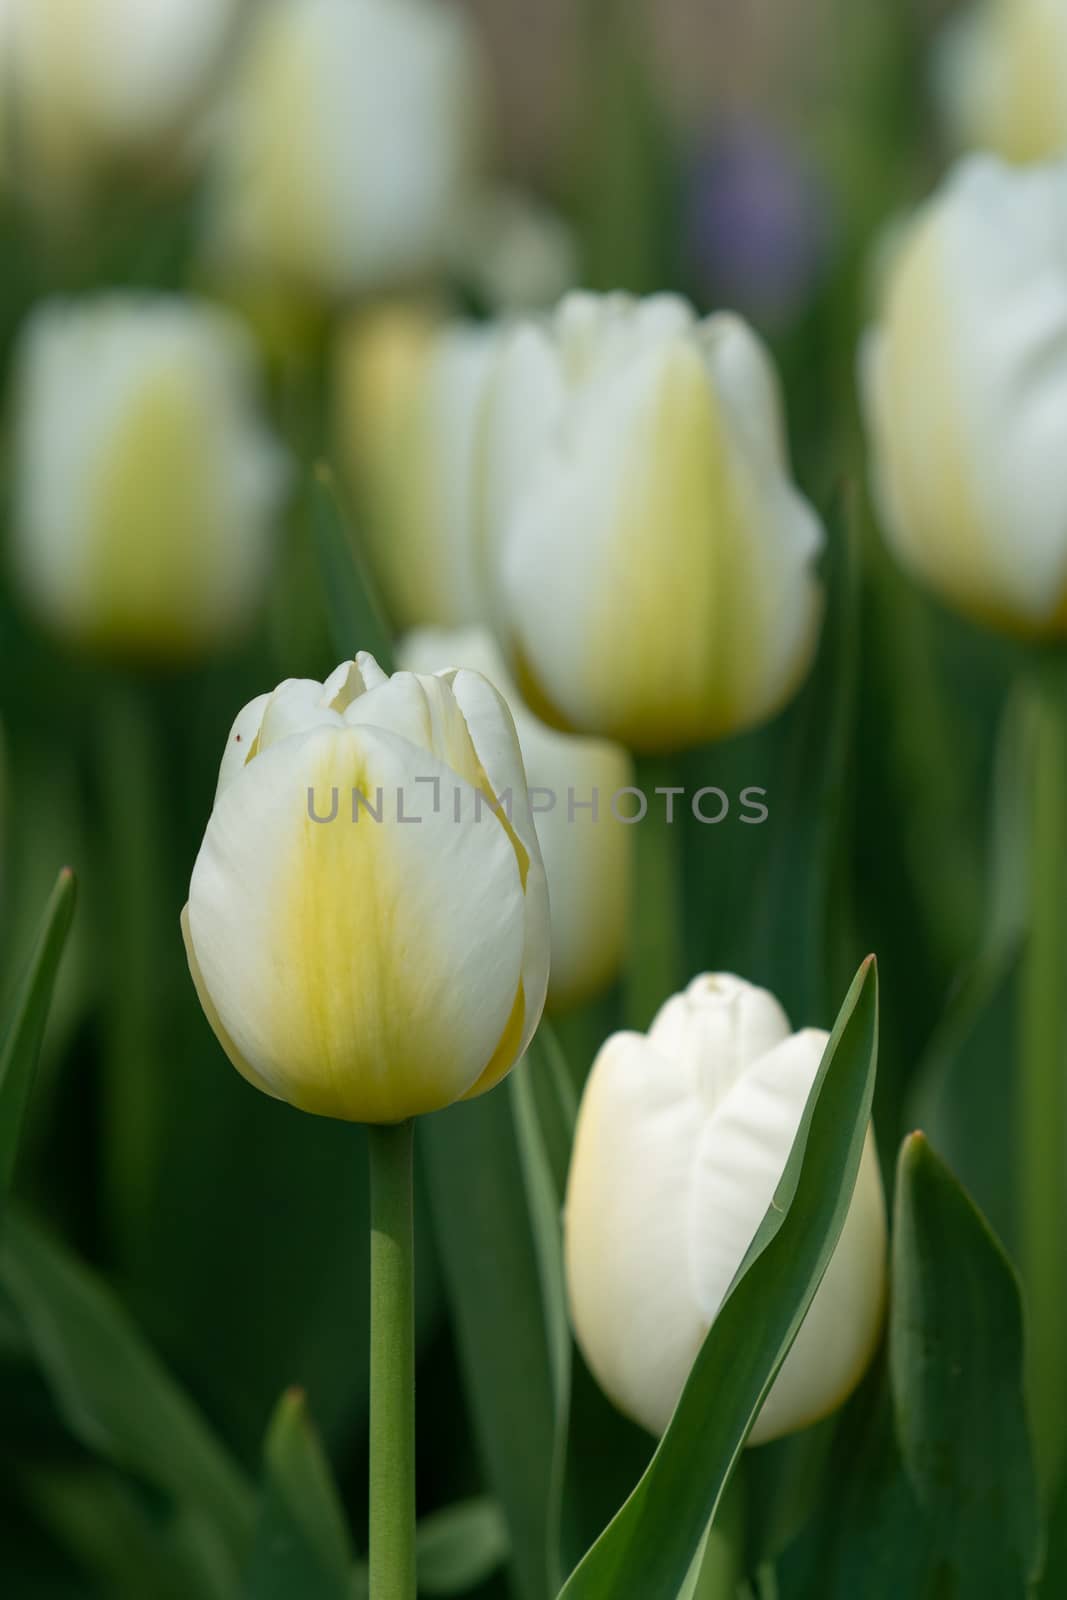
683 1136
95 81
146 485
408 403
514 252
588 855
369 969
352 136
1001 76
653 562
965 386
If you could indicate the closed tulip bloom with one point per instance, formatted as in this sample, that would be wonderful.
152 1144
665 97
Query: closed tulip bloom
683 1136
146 483
409 395
587 851
352 135
367 934
965 385
654 563
1001 73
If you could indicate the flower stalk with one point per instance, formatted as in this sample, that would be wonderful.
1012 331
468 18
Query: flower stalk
392 1363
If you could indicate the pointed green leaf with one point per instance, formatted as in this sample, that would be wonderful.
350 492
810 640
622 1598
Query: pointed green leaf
459 1548
649 1547
301 1544
357 616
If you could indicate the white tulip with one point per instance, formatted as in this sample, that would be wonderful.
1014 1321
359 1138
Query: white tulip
965 385
654 564
409 397
682 1139
146 485
367 934
588 853
1001 74
352 136
94 81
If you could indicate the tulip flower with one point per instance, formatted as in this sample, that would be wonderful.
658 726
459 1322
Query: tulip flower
146 484
1001 76
587 850
965 385
352 137
367 924
409 395
112 81
683 1136
653 563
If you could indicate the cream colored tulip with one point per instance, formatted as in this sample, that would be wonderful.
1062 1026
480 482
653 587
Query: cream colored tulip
353 135
1001 73
682 1139
367 934
653 562
588 853
146 485
409 394
965 387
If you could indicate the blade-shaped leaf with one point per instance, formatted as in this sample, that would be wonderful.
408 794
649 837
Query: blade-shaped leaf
356 614
23 1035
956 1351
649 1547
459 1548
112 1389
301 1543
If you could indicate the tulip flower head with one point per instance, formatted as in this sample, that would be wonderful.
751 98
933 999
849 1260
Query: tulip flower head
965 386
367 925
653 562
587 851
683 1136
146 484
1001 76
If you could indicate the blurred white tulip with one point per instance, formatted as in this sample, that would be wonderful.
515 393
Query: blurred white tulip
146 485
682 1138
587 851
965 386
350 964
352 136
653 562
409 393
1001 77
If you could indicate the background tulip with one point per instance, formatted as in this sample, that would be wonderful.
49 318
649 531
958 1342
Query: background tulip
682 1138
351 138
146 484
654 564
1001 73
965 384
587 855
371 969
409 396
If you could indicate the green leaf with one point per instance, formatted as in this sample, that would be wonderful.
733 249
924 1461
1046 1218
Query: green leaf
543 1103
459 1548
301 1543
649 1547
482 1223
356 614
111 1388
956 1352
22 1039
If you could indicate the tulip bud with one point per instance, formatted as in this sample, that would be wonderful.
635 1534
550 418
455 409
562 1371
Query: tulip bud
114 80
367 934
683 1136
587 850
146 485
1001 74
654 565
353 136
965 388
409 404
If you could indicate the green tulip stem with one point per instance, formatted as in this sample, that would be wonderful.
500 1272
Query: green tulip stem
392 1363
1043 1109
655 963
